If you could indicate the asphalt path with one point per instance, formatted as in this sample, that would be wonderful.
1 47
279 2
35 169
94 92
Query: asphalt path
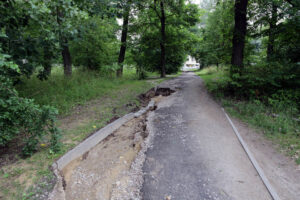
195 154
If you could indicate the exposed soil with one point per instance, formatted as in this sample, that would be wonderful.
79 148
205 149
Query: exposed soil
9 154
80 115
147 96
100 172
94 175
43 188
185 161
93 110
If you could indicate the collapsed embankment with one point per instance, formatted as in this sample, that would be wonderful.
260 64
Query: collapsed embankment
107 165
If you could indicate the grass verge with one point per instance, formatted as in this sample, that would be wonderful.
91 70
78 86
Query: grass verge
277 124
86 102
65 93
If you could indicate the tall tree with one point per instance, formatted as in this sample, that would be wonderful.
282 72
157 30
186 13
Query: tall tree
216 34
126 12
239 34
162 34
163 39
162 17
272 30
63 41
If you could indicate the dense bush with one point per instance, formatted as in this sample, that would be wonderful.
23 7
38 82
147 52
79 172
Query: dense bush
21 118
96 45
266 79
274 84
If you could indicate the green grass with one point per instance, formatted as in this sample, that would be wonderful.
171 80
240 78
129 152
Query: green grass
65 93
208 73
276 124
87 100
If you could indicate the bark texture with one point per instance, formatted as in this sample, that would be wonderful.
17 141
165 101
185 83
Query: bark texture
163 39
272 32
65 52
123 39
239 35
66 58
47 61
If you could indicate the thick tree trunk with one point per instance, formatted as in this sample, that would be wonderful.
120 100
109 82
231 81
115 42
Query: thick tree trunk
163 40
65 52
43 75
67 59
47 61
239 34
123 39
272 29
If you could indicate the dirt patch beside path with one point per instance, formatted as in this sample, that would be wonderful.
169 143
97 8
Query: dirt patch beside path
93 175
97 173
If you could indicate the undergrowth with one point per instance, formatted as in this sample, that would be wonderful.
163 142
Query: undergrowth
276 115
65 93
95 98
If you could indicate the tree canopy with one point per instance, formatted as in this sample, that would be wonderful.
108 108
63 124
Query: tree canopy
258 39
37 35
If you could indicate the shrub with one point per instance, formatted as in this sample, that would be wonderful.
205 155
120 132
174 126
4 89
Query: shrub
109 70
96 44
263 80
274 84
21 118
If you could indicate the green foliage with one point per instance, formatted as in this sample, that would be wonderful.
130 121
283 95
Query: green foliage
271 53
273 84
34 29
20 117
216 79
96 44
180 18
278 22
277 114
287 47
215 45
109 70
264 80
84 85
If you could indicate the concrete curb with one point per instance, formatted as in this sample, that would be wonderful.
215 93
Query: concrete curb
251 157
144 110
97 137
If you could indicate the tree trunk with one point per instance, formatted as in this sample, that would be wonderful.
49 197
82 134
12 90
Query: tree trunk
65 52
47 61
272 29
163 40
239 34
123 39
66 58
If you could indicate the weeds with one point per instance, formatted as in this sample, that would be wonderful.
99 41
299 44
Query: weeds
65 93
96 99
277 117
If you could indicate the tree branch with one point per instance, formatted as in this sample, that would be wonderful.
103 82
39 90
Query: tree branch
292 3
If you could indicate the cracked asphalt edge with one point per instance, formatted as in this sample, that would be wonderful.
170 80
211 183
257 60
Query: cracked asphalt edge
131 189
58 192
